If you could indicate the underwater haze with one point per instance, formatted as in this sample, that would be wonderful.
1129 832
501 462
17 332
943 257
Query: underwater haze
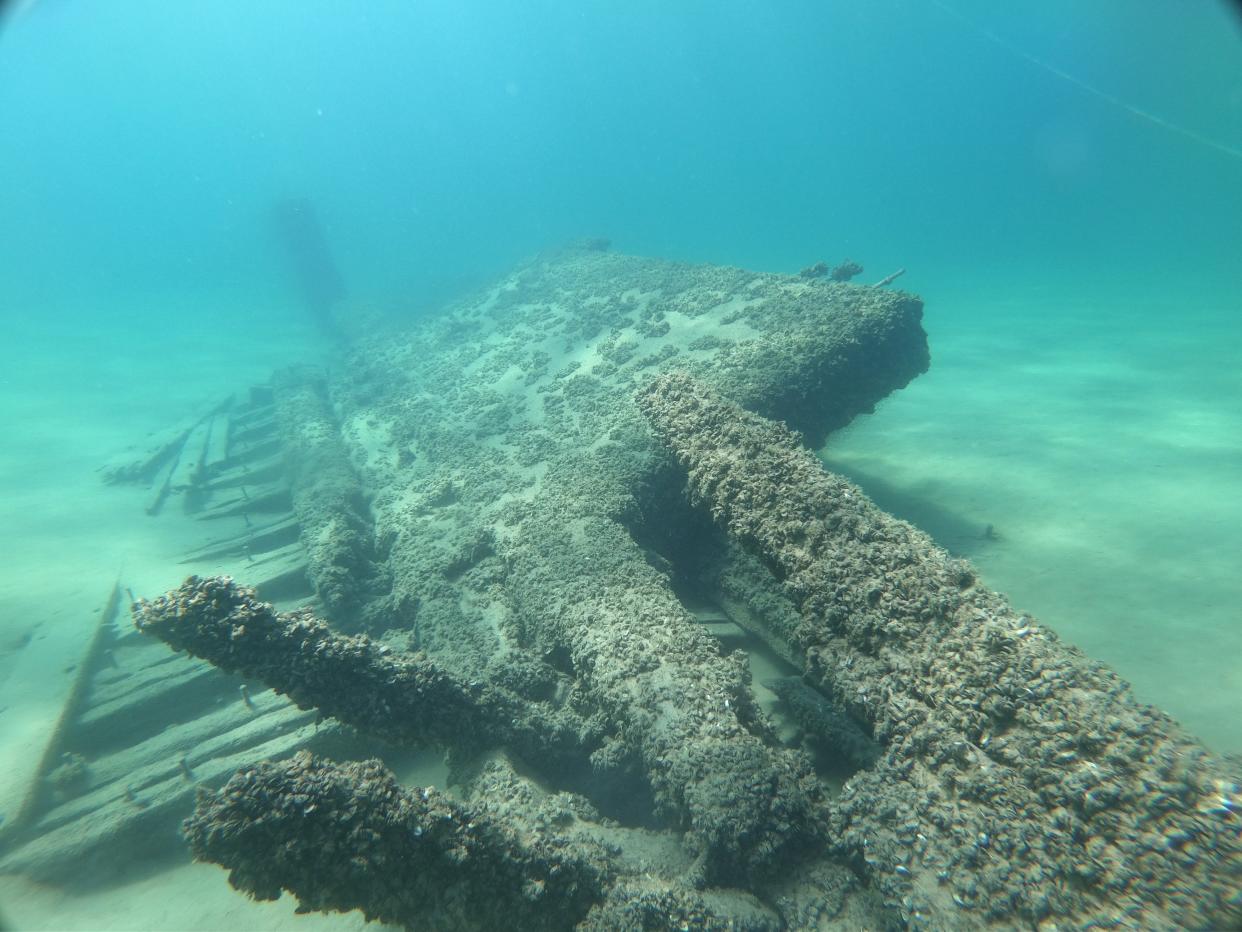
194 195
444 140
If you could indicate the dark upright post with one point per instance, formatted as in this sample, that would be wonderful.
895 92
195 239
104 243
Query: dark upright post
298 228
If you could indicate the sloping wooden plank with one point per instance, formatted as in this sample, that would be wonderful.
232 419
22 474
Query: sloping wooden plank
261 449
152 810
162 446
259 539
193 456
263 499
217 443
232 473
173 743
141 684
163 482
255 430
133 770
40 700
134 711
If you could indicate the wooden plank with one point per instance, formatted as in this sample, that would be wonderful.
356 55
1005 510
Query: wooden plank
133 770
40 700
159 448
250 414
252 452
146 818
276 561
132 711
255 430
143 683
286 580
193 456
249 473
262 499
217 443
162 484
190 737
130 660
259 539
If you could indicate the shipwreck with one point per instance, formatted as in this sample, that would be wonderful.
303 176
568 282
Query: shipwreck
544 532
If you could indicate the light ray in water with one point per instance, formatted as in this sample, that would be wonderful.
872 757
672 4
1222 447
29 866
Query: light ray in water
1091 89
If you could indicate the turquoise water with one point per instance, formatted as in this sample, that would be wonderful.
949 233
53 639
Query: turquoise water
1061 181
142 148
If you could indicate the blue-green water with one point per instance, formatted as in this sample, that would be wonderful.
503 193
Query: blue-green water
142 146
1061 181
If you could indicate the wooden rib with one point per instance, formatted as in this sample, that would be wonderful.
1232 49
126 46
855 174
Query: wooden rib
31 755
51 855
217 444
257 540
262 499
144 765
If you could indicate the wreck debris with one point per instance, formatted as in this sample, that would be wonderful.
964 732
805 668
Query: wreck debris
680 710
347 836
535 476
25 772
841 272
889 279
332 515
1020 780
403 698
523 525
125 721
399 697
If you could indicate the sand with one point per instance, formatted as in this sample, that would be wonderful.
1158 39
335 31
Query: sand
1103 444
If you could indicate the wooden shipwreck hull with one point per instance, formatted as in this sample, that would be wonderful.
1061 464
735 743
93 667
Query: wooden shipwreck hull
490 511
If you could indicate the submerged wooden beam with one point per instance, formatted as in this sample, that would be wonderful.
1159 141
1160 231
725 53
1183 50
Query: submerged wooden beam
41 702
1021 782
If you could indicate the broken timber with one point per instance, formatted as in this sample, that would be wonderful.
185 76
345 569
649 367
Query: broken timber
516 518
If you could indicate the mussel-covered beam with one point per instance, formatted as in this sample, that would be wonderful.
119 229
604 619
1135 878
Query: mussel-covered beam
341 837
678 708
336 528
1021 782
404 698
347 836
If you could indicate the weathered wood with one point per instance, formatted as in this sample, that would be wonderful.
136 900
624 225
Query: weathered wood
233 474
162 446
217 445
193 457
133 769
264 499
256 430
132 710
282 574
250 453
162 484
259 539
1038 785
141 683
52 856
41 701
